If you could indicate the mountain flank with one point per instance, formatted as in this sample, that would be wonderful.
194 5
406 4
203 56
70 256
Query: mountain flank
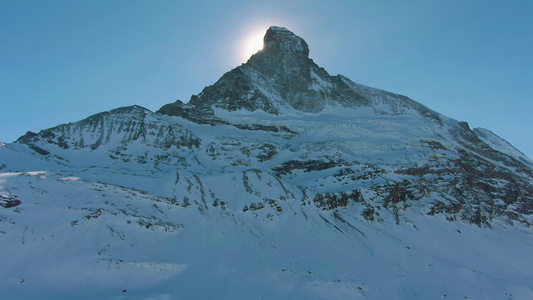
277 181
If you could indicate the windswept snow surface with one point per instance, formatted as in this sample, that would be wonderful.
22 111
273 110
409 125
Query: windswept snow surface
75 238
501 145
81 239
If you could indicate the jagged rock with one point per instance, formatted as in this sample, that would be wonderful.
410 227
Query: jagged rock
281 76
8 201
307 166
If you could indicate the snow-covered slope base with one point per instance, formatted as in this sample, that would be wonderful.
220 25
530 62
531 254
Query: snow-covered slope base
81 239
92 232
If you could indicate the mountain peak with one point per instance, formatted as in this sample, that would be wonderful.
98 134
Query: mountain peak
277 79
280 39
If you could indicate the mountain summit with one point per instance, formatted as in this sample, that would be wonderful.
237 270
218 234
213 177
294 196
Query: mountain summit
281 41
278 79
278 181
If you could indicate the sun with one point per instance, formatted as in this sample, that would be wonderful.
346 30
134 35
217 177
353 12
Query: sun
252 44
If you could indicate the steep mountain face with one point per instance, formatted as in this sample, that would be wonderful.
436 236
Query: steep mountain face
418 144
117 127
279 180
277 79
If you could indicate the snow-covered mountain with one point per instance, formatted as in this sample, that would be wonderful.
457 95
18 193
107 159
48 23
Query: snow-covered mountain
278 181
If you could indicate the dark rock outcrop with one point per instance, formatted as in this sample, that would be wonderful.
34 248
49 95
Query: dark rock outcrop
279 77
9 201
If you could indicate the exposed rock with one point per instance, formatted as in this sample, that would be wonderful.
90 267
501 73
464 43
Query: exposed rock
120 126
8 201
331 201
307 166
281 76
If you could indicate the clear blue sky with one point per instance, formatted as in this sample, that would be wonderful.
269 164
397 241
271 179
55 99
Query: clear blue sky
61 61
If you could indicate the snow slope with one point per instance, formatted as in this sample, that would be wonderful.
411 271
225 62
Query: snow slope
77 238
221 221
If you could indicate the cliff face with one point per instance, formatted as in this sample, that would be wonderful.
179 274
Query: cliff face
279 78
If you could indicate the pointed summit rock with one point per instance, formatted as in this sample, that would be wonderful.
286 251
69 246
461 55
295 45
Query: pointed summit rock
278 79
285 62
280 39
282 51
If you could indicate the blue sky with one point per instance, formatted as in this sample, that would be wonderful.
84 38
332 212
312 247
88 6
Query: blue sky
61 61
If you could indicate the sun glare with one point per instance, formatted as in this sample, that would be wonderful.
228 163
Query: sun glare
253 43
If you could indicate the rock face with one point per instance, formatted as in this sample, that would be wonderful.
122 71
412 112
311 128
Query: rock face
121 132
277 79
278 156
7 201
119 126
284 61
